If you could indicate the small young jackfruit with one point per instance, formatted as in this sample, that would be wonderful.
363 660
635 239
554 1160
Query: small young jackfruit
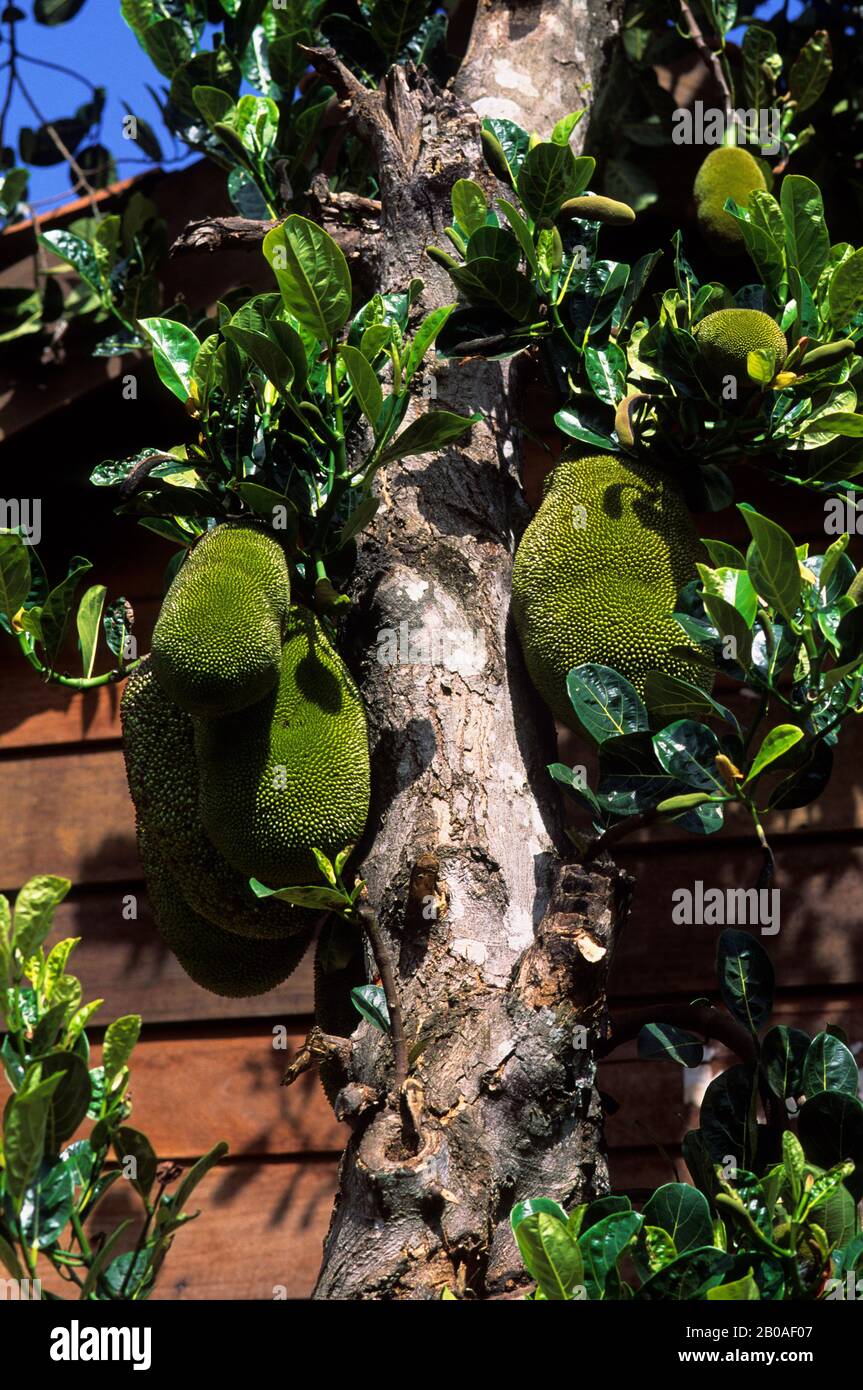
218 639
291 774
216 960
727 172
159 748
728 336
596 577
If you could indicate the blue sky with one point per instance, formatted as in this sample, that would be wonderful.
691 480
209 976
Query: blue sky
98 44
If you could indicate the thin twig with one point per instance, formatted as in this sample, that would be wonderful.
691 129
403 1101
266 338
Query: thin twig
712 60
700 1018
384 962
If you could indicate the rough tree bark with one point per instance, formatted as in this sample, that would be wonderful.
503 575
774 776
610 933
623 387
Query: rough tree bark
501 948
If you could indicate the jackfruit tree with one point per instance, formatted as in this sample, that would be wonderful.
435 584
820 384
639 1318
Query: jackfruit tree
284 770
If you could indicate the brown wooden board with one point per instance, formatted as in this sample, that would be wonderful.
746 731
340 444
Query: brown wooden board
259 1235
125 963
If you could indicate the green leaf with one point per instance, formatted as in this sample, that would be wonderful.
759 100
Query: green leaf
531 1205
56 11
70 1099
15 575
830 1127
371 1002
24 1123
668 698
272 345
366 387
549 175
522 232
562 132
131 1143
427 433
728 1124
9 1259
198 1170
89 624
602 1245
761 66
844 422
845 291
829 1066
807 244
101 1259
664 1042
810 71
486 281
746 979
312 274
772 562
34 911
774 744
683 1212
120 1039
605 703
57 609
175 348
423 339
690 1276
783 1051
311 895
469 205
78 252
687 750
166 44
551 1254
394 22
606 369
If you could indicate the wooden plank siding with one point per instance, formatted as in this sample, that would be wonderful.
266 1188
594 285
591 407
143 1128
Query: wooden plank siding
206 1068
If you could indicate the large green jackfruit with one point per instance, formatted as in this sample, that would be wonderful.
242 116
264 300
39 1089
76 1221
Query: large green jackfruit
218 639
728 172
159 747
727 337
216 960
291 773
597 573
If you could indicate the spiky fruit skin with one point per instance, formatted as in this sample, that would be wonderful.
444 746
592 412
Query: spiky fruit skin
218 638
291 773
159 748
597 573
728 336
217 960
727 172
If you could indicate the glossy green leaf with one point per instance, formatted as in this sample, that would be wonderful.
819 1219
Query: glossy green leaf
739 1290
830 1066
469 205
602 1245
132 1144
15 575
845 292
175 348
499 283
197 1172
57 609
746 978
423 339
551 1255
371 1002
549 175
120 1039
772 562
366 387
810 71
807 243
783 1051
682 1211
774 745
664 1042
34 911
830 1127
728 1116
605 704
312 274
89 623
687 750
427 433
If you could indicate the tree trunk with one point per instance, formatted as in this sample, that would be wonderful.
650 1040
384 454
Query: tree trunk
501 949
